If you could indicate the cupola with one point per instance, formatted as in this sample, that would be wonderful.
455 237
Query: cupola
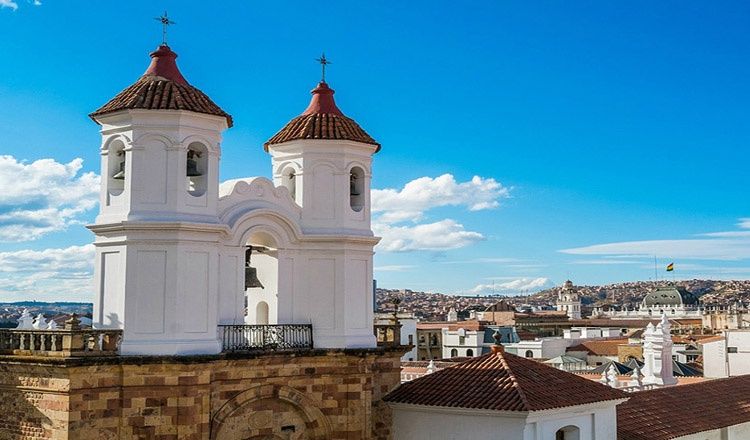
322 120
162 87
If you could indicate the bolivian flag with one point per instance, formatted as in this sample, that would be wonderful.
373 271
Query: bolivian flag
670 267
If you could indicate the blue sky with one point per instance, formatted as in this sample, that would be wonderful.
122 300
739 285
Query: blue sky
601 133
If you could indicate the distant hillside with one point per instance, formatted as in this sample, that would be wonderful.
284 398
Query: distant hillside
434 306
709 291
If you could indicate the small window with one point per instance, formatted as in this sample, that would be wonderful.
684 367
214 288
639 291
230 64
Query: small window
529 354
357 189
469 352
454 353
731 349
289 181
461 340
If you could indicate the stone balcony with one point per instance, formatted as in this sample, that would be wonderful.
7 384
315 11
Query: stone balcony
70 341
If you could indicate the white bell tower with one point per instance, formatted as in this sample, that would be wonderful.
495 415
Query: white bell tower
324 159
568 301
157 229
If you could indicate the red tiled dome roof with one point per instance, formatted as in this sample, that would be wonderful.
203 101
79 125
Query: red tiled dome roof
322 120
162 87
503 382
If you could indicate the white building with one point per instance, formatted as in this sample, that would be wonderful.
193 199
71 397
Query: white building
727 355
544 348
175 248
568 301
501 395
473 339
668 300
592 332
462 341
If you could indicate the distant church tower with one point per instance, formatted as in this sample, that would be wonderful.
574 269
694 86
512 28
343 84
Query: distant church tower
157 229
568 301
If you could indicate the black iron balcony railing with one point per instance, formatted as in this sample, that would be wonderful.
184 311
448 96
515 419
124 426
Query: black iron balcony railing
265 337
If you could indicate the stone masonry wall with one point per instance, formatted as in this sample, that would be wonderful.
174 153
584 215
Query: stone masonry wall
314 395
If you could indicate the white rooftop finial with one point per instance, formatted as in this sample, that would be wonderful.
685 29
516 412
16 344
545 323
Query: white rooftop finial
39 322
431 367
612 375
25 321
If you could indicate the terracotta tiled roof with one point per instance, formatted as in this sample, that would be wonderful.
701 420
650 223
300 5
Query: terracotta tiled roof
322 120
162 87
606 347
656 414
503 382
632 323
711 339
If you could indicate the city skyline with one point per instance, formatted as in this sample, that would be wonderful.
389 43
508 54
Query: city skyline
521 145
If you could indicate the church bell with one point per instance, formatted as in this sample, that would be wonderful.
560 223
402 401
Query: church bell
192 165
353 191
251 273
120 174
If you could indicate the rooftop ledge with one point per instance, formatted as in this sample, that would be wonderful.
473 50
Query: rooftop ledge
193 359
73 345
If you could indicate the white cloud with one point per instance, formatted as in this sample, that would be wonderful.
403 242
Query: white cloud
443 235
425 193
519 285
394 268
43 196
8 4
608 261
394 207
49 274
729 245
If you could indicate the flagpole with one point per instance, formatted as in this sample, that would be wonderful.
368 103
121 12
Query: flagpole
656 273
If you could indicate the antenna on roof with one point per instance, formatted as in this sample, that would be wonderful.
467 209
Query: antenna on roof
323 63
165 22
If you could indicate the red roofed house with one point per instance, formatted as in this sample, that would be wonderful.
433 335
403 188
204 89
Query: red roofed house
501 395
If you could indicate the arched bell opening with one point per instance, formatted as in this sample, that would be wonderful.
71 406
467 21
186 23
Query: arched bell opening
116 168
289 181
357 189
196 169
261 279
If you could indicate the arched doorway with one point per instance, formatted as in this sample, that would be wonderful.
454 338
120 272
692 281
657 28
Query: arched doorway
261 313
262 294
569 432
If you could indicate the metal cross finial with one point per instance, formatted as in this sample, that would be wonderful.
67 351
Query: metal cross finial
323 63
165 22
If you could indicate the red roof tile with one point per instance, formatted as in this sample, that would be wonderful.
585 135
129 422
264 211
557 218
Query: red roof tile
711 339
162 87
503 382
322 120
713 404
